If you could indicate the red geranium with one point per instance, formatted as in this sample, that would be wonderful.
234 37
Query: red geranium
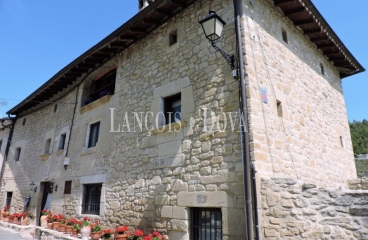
121 229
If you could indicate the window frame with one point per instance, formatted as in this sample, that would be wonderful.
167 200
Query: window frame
1 144
68 187
8 199
102 86
197 220
88 196
88 143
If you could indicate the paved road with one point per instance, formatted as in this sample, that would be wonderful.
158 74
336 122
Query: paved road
8 234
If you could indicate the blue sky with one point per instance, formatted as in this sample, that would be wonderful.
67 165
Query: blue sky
38 38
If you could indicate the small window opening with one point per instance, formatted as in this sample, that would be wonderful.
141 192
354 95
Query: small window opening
342 142
55 107
24 121
322 69
279 108
47 146
1 144
17 154
173 37
68 187
9 196
172 109
91 198
62 141
284 35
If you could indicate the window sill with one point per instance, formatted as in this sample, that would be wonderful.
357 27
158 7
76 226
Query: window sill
175 126
95 103
44 157
87 151
59 152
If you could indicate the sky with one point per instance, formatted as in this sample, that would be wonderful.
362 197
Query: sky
38 38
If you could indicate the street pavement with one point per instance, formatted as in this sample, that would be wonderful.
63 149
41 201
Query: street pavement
9 234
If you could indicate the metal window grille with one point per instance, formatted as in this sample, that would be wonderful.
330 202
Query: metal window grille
206 224
9 196
93 134
91 198
62 141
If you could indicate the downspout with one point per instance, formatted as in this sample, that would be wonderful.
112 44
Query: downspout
71 125
13 119
245 132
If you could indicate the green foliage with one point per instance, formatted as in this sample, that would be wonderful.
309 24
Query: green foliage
359 136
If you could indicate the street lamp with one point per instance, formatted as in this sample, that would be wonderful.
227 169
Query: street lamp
33 187
212 26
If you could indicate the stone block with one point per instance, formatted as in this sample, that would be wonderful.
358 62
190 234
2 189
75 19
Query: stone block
204 199
179 225
180 213
167 212
169 148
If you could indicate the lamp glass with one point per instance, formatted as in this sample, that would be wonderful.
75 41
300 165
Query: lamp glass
212 26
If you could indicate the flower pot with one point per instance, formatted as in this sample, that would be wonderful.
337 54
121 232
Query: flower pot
85 232
68 229
25 221
11 220
55 226
18 220
6 219
43 221
49 225
95 236
121 236
75 232
62 227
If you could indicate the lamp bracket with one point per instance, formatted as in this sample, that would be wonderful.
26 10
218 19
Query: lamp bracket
230 58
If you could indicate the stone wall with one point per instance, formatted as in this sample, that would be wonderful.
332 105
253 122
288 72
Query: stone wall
304 142
295 210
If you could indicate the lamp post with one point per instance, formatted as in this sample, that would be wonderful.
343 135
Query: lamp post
212 26
33 187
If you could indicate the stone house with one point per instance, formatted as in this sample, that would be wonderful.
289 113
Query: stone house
99 139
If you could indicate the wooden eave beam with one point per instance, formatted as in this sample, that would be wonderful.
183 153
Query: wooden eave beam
150 21
279 2
118 44
304 22
86 65
127 38
181 4
331 52
334 59
137 30
293 11
316 39
164 12
325 45
312 31
100 55
77 70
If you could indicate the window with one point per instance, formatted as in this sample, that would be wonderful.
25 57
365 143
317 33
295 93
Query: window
322 68
68 187
93 133
279 108
1 144
91 198
101 87
206 224
284 35
9 196
17 154
24 121
172 108
62 141
55 107
47 146
342 142
173 37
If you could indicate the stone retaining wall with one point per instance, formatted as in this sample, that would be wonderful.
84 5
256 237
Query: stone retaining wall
295 210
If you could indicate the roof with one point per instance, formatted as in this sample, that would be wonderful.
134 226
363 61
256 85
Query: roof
301 12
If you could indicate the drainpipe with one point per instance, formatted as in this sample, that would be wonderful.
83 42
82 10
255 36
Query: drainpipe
245 132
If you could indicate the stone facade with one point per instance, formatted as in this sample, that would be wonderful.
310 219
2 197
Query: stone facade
296 210
152 176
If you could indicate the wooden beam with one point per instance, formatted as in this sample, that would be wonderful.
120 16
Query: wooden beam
312 31
295 10
331 52
118 44
100 55
164 12
137 30
86 65
316 39
303 22
176 2
150 21
336 58
279 2
127 38
325 45
77 70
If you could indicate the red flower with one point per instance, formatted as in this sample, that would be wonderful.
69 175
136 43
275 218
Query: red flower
108 231
149 237
138 233
121 229
156 234
86 219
